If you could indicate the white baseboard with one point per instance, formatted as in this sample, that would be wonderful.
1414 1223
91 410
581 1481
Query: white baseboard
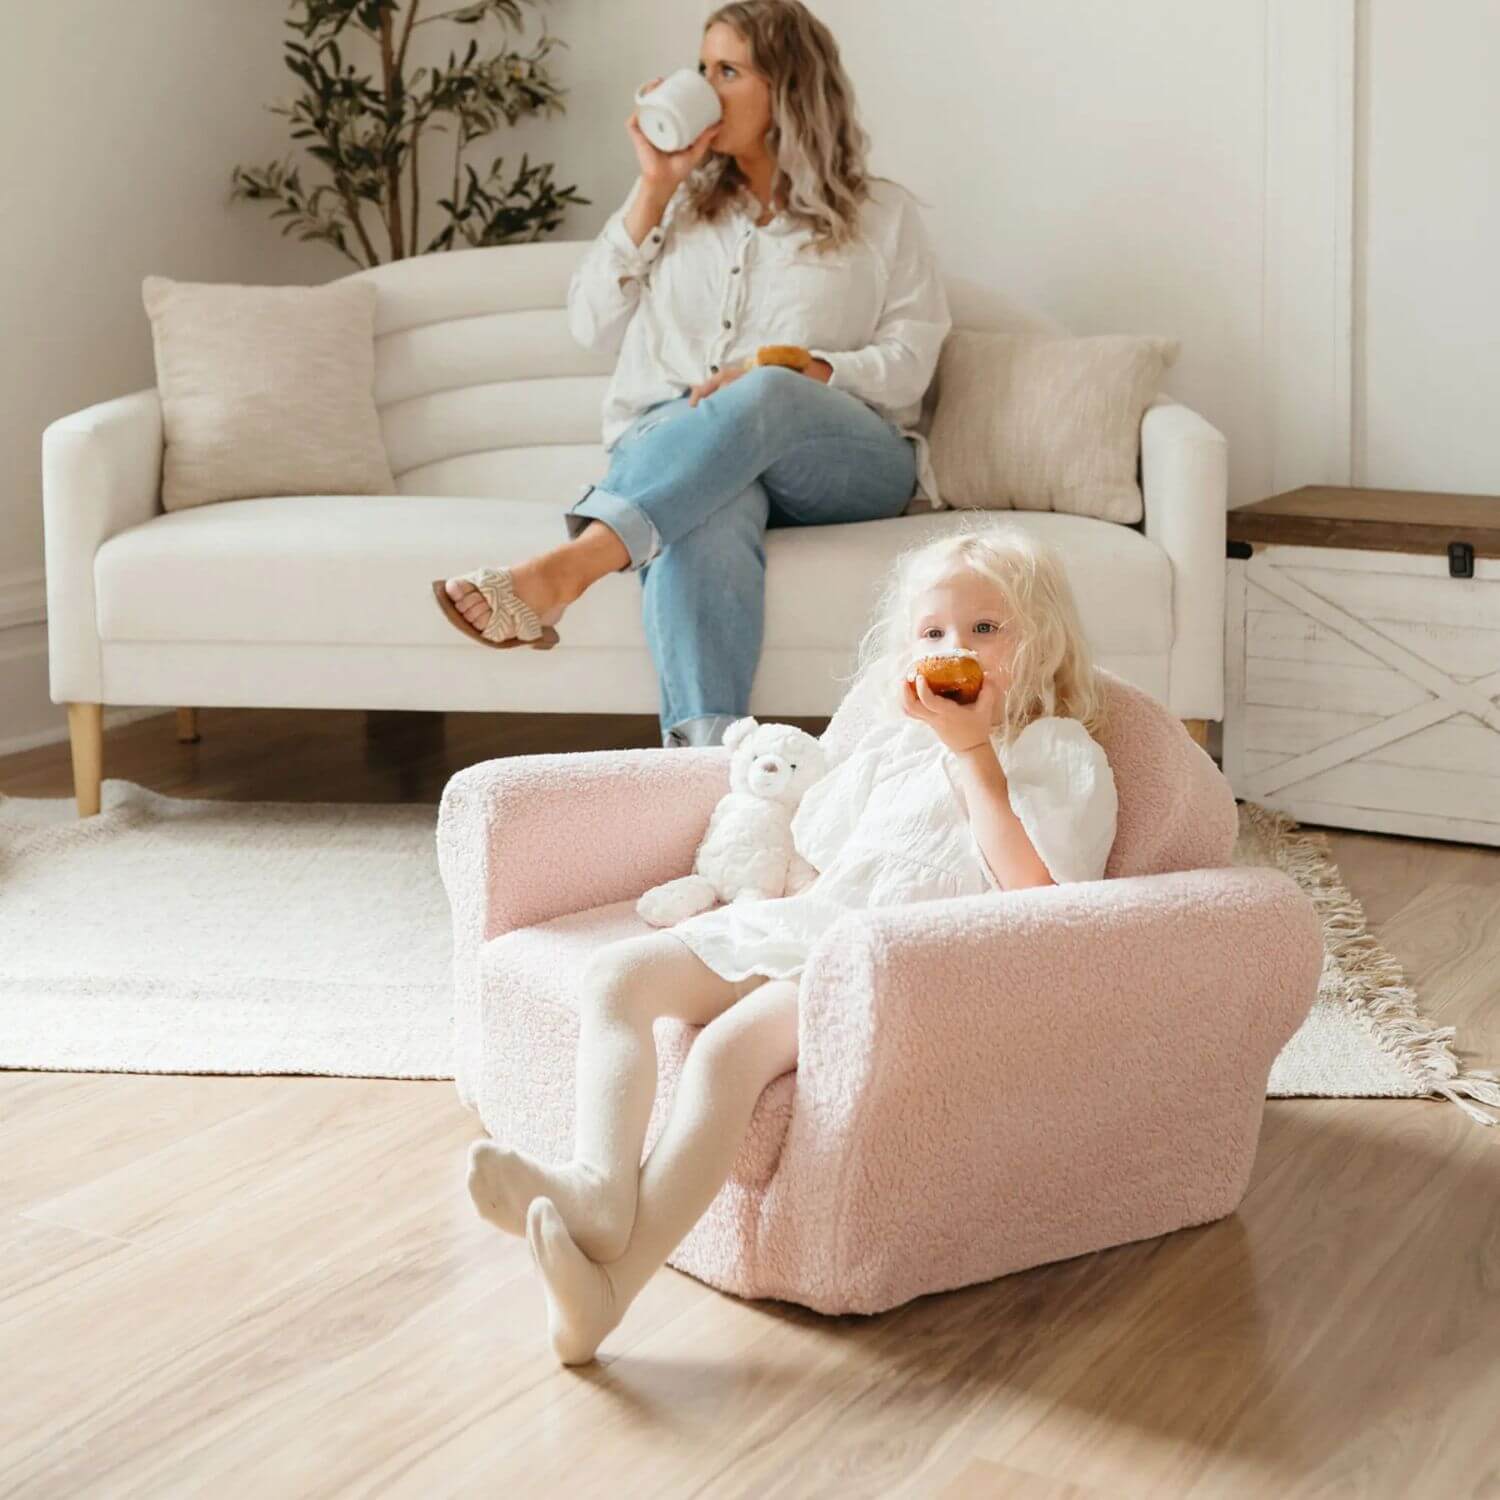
113 717
57 733
23 598
28 717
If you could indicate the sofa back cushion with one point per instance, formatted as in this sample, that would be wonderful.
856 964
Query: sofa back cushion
482 391
480 387
1177 811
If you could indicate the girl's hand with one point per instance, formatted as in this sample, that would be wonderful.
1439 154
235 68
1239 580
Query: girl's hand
664 170
704 389
960 726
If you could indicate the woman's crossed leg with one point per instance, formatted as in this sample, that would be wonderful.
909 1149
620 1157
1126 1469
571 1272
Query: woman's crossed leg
826 455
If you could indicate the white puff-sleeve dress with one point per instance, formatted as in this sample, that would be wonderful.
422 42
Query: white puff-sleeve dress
887 826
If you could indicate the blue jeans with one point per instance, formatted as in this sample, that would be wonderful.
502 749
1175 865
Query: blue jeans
691 490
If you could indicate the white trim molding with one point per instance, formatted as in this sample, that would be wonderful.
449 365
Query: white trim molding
23 598
23 602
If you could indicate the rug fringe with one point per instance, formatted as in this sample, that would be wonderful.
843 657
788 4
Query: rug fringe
1383 997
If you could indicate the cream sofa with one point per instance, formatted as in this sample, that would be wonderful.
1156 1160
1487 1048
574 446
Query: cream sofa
491 419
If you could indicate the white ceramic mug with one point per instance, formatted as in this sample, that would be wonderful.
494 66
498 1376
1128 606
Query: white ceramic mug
678 110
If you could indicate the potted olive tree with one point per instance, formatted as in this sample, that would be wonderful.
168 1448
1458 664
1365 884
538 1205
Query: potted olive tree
365 129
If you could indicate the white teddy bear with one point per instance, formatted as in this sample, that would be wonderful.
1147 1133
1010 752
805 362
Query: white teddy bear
747 852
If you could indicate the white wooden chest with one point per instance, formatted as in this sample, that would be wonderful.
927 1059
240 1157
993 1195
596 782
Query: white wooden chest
1362 688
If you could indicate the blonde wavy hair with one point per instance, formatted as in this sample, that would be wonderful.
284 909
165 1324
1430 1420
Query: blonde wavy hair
818 144
1053 668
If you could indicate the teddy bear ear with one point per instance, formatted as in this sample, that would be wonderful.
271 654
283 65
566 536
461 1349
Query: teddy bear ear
738 730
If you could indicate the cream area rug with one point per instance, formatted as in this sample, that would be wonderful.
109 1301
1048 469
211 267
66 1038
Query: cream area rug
172 935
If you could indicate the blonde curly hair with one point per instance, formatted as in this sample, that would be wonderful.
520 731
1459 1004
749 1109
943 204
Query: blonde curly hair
818 144
1053 668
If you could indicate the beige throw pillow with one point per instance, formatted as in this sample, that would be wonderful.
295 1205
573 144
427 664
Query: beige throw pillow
1036 422
266 390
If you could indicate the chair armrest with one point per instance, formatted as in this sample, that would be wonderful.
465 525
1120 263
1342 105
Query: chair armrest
1059 1061
1185 486
101 474
525 838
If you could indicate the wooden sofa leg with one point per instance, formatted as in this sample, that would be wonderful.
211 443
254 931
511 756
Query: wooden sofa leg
86 731
1198 728
187 726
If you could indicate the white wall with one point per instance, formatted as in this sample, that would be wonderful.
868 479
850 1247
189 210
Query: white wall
121 125
1164 166
1427 286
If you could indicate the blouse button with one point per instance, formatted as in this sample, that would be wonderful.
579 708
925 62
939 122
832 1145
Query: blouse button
713 369
734 270
727 323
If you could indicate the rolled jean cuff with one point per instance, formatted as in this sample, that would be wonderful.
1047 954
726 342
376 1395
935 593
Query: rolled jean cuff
631 524
707 729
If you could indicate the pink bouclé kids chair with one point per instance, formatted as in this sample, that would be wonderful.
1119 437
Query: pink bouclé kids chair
983 1084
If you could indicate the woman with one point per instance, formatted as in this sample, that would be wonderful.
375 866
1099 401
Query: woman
767 229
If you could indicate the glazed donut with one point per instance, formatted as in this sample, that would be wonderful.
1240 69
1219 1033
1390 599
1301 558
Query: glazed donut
955 674
793 356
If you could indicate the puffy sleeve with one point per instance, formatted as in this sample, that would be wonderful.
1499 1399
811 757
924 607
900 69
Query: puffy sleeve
1063 791
831 807
607 282
895 368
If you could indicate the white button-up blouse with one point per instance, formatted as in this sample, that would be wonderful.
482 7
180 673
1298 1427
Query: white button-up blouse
694 298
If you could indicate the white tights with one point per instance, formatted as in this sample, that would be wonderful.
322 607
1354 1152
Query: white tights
602 1224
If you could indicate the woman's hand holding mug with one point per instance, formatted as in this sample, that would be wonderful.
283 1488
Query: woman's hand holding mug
662 171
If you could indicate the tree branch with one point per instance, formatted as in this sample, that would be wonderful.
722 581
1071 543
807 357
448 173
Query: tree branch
351 207
392 170
411 20
416 186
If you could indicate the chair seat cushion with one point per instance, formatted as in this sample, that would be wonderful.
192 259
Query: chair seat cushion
530 981
355 569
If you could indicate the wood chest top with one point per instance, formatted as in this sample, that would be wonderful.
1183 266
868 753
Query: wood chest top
1319 515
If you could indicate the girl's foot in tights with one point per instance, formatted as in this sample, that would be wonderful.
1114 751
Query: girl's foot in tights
504 1182
582 1304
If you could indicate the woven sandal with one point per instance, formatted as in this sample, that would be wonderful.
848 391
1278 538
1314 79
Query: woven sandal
512 620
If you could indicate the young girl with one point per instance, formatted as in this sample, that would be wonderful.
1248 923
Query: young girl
936 799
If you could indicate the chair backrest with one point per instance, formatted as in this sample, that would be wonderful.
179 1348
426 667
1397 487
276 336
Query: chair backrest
1177 811
473 358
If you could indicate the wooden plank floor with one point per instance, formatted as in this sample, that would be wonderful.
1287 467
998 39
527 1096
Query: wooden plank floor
275 1286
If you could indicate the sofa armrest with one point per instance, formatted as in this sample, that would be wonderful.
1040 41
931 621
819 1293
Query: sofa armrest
101 474
1185 485
526 838
1069 1055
